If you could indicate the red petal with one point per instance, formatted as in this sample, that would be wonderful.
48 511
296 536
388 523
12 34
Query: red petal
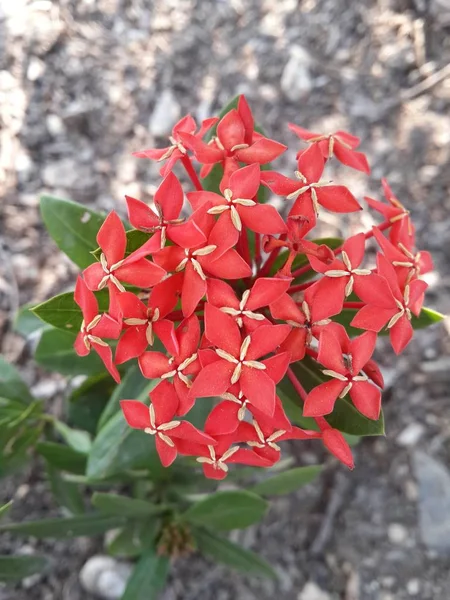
311 163
375 290
266 339
229 266
167 454
186 124
80 346
112 239
186 235
351 158
321 400
221 294
231 130
262 218
295 344
165 294
211 472
169 258
351 140
206 124
213 380
249 458
188 333
386 270
140 215
187 431
246 116
244 182
265 291
204 153
151 153
92 275
401 334
335 442
169 196
262 151
330 352
367 399
286 309
183 392
303 134
330 294
136 413
131 306
132 344
224 235
373 371
165 330
279 184
154 364
337 198
165 402
259 389
354 247
223 418
141 273
361 349
105 354
276 366
372 318
194 288
221 330
86 300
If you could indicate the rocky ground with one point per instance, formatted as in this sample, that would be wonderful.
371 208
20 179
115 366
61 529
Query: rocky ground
84 83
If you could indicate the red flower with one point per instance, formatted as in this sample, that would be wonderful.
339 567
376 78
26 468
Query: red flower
176 151
336 443
238 360
346 373
388 304
402 229
158 420
341 277
215 257
142 321
235 142
165 222
246 311
238 207
114 268
339 144
180 364
94 327
408 265
307 190
307 321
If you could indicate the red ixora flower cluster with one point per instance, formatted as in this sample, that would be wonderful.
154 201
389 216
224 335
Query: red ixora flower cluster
215 304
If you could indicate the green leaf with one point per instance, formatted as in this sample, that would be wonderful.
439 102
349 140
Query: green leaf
227 510
232 555
62 457
12 385
73 227
55 352
78 440
87 402
427 317
85 525
5 509
133 385
16 568
345 416
115 504
287 482
135 538
148 578
118 448
65 492
26 322
64 313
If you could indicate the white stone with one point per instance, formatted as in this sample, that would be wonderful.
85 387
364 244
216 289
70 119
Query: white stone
296 79
36 68
165 114
410 435
397 533
105 577
55 125
312 591
413 587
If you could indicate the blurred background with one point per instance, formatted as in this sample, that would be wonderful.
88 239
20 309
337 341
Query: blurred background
84 83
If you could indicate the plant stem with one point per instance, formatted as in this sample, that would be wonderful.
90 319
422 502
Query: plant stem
243 246
353 304
300 287
187 164
258 257
297 385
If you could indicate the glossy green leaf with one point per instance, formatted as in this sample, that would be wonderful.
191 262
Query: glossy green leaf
232 555
148 578
287 482
55 352
85 525
73 227
66 493
62 457
26 323
16 568
12 385
64 313
118 448
345 416
227 510
115 504
134 539
76 438
88 401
